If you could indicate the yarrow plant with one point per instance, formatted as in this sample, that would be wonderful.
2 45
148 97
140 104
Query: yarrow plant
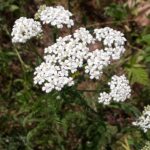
69 53
72 54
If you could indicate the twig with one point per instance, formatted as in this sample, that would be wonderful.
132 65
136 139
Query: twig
20 59
88 90
134 47
109 22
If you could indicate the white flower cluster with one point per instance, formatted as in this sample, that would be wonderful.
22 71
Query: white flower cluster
147 146
70 53
144 120
113 42
24 29
119 90
56 16
110 37
105 98
84 36
96 61
62 59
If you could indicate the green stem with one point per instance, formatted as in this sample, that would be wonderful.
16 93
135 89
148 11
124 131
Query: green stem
109 22
55 34
23 65
20 59
134 47
88 90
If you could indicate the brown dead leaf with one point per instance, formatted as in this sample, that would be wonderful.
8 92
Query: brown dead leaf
132 3
142 11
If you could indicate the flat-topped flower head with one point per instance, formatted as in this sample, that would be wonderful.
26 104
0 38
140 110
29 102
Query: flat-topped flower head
68 54
72 52
119 90
112 40
24 29
84 35
113 47
61 60
97 60
104 98
55 16
144 120
110 37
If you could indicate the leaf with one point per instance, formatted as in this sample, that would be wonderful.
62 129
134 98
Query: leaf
126 145
139 75
142 12
13 8
147 59
146 38
130 109
116 11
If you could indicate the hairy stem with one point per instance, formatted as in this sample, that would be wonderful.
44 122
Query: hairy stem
20 59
